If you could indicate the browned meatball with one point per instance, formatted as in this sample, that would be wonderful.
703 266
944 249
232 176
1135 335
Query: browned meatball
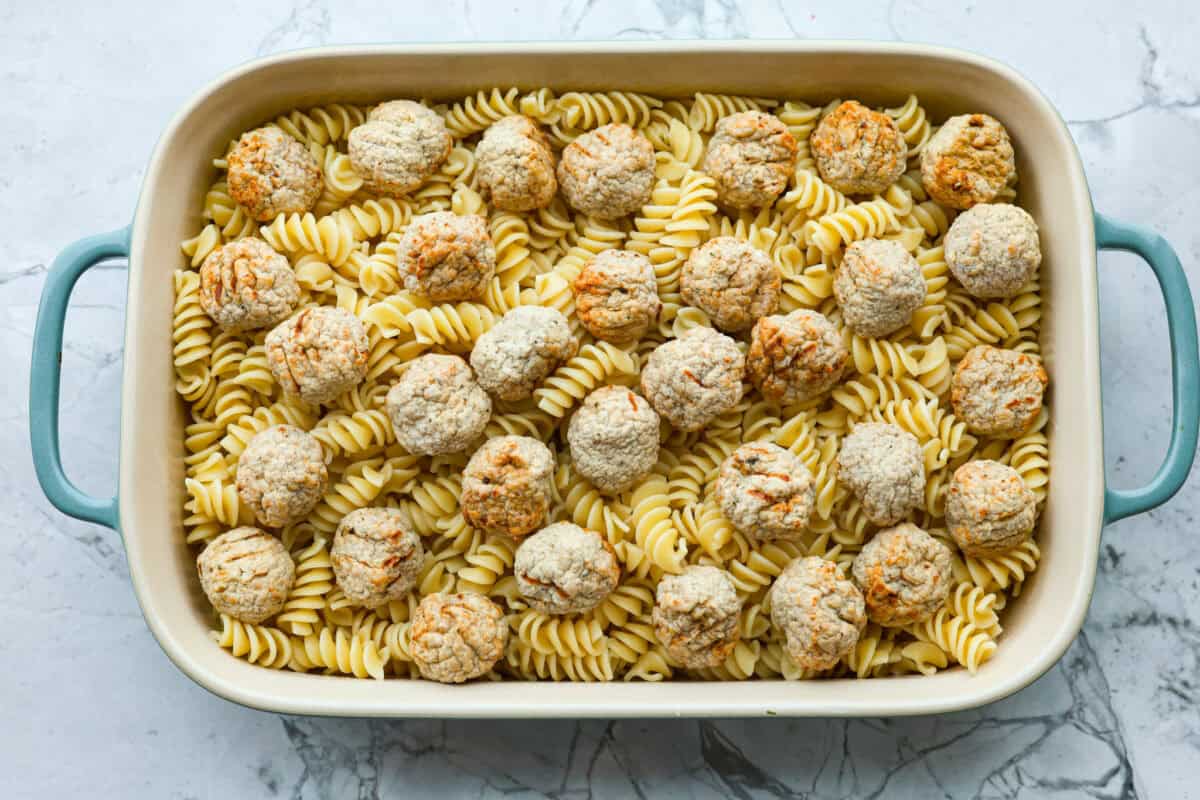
765 491
795 357
376 557
859 151
565 569
245 285
998 392
731 281
609 172
507 485
318 353
696 616
447 257
516 164
989 509
281 475
616 296
969 160
751 155
400 145
457 637
694 379
247 574
904 574
819 612
270 173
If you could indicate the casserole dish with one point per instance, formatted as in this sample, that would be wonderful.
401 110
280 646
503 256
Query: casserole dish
1039 628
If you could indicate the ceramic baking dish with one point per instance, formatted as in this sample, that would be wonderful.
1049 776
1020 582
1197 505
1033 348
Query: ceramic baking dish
1038 628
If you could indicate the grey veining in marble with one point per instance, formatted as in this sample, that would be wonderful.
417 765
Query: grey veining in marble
89 706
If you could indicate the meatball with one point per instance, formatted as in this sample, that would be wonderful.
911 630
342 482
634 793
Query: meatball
446 257
968 161
516 165
247 574
696 616
878 286
507 485
245 285
616 296
884 466
694 379
751 156
998 392
993 250
376 558
457 637
613 438
437 407
609 172
270 173
520 350
795 357
765 491
317 354
281 475
400 145
731 281
564 569
988 508
819 612
857 150
904 574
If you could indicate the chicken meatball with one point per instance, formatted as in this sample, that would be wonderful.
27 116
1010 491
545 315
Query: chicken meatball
446 257
318 353
247 574
884 466
564 569
998 392
989 509
878 286
270 173
245 285
765 491
904 574
795 357
457 637
609 172
731 281
437 406
819 612
507 486
968 161
751 156
375 555
694 379
696 616
993 250
281 475
616 296
520 350
400 145
516 165
613 438
857 150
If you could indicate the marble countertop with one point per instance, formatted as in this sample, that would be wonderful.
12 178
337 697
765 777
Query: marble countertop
90 705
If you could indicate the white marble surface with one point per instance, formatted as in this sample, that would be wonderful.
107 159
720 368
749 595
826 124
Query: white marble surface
90 706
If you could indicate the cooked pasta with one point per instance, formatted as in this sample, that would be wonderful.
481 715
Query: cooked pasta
344 253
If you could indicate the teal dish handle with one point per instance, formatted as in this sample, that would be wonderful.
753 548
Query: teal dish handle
1185 367
44 375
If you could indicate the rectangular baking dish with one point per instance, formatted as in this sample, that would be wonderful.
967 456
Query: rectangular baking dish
1040 625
